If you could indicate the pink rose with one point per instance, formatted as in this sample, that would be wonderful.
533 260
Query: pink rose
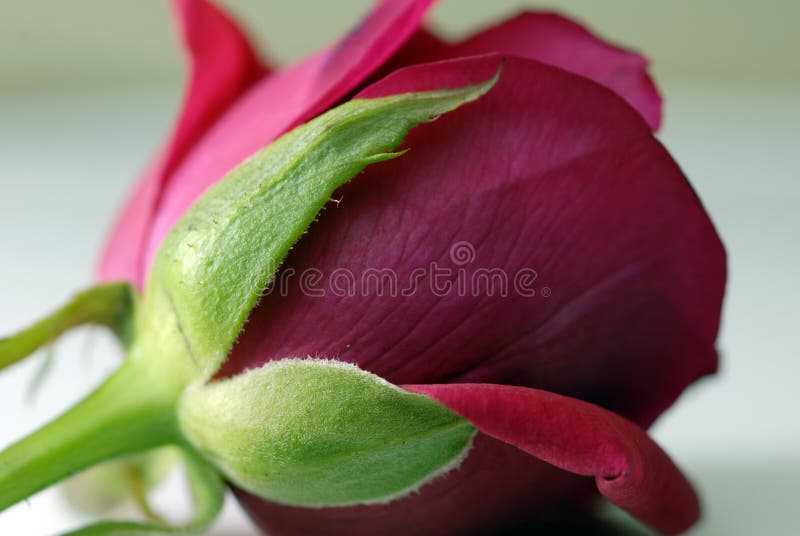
615 274
553 170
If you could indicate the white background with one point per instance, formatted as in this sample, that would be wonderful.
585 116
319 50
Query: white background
68 154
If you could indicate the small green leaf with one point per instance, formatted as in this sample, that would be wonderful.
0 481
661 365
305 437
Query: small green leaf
322 433
213 266
109 305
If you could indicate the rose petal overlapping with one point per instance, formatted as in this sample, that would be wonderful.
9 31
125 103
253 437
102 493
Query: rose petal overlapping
555 170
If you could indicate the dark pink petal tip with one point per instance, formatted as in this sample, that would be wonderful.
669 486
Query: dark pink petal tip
555 40
630 469
559 41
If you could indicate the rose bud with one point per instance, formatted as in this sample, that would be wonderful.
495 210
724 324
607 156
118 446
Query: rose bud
514 281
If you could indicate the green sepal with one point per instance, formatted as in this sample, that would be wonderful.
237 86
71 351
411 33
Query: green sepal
322 433
109 305
214 265
208 493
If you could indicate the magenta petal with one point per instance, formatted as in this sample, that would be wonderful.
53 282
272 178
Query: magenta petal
223 66
559 41
284 100
630 469
548 172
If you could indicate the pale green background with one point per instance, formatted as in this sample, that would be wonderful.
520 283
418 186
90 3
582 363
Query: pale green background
89 87
53 43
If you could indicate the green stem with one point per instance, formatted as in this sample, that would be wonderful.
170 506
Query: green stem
126 414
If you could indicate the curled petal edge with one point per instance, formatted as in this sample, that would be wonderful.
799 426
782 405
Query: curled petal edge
630 469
